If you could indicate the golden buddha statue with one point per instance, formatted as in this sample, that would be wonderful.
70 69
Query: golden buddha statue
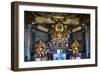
75 47
40 47
59 28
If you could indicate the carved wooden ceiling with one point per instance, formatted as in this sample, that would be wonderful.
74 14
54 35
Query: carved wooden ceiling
47 19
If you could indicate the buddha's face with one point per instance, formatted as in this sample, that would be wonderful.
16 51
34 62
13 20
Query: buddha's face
59 35
75 41
40 42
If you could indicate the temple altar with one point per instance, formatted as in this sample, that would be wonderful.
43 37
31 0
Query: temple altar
56 36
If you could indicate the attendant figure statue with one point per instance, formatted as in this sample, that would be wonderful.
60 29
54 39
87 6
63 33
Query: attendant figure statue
75 49
40 49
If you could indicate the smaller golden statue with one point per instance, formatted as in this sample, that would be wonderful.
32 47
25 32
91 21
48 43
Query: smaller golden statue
75 47
40 47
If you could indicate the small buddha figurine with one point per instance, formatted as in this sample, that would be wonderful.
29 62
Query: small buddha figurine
75 49
40 48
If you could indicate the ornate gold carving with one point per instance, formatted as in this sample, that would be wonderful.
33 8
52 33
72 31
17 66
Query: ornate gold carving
59 27
75 47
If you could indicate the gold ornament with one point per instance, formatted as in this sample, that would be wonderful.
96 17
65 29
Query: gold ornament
59 27
75 46
40 47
